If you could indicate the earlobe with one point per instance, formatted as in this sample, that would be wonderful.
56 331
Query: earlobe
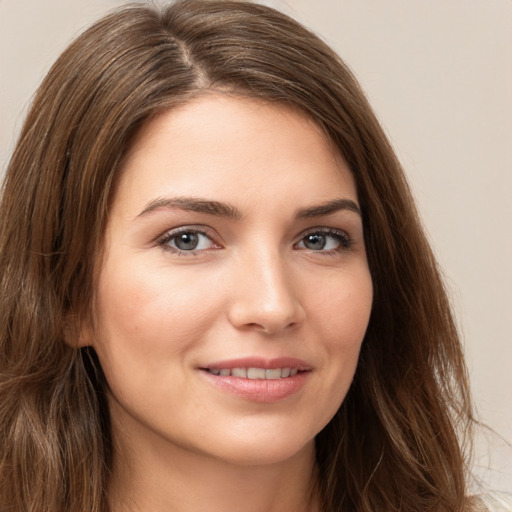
77 333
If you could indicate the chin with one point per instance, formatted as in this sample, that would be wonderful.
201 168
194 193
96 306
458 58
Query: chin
274 453
265 445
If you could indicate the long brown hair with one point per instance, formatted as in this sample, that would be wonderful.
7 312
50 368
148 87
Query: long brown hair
395 443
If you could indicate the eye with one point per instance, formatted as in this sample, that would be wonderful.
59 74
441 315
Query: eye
186 240
325 241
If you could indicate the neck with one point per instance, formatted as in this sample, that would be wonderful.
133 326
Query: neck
156 476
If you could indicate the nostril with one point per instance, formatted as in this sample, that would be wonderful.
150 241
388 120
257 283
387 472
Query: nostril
270 306
268 327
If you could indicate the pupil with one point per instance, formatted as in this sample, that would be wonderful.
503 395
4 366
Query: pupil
187 241
315 242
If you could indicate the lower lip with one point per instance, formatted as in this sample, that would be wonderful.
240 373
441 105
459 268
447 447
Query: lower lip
259 390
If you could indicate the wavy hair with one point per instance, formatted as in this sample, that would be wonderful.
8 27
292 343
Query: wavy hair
397 441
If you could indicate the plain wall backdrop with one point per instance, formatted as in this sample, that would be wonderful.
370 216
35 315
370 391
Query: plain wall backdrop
439 75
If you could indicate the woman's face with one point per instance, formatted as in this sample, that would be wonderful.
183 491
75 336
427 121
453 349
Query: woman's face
235 291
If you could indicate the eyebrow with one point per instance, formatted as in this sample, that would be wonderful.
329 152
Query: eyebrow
193 204
231 212
328 208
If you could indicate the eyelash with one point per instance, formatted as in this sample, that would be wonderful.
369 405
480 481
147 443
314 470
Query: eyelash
167 237
344 240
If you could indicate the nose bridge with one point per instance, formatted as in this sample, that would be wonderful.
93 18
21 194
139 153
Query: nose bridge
266 298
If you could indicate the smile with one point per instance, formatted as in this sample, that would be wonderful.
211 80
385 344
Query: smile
258 379
255 373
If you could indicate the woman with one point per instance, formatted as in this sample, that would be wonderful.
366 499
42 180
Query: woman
215 286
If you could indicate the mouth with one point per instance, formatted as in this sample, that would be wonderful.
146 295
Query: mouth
254 373
257 379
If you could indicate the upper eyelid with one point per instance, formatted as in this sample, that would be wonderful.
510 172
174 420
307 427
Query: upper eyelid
204 230
323 230
216 238
163 241
344 237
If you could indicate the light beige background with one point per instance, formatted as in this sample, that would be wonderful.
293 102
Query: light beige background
439 74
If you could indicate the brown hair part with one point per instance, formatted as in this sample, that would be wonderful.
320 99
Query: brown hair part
394 444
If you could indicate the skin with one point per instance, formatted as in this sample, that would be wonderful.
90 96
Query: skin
254 286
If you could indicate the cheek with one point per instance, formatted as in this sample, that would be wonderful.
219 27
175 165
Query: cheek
147 314
342 316
343 309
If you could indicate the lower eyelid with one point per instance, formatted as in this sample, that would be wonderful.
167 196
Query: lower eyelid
202 239
167 237
344 240
342 237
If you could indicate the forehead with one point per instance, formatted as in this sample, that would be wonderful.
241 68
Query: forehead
233 146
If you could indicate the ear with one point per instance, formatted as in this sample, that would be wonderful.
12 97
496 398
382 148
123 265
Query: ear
78 333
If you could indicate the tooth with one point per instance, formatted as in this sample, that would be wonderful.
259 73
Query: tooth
215 372
293 372
225 372
273 374
239 372
285 372
255 373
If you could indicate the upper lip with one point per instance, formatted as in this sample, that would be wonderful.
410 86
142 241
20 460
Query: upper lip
260 362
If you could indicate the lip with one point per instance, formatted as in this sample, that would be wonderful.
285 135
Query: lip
259 390
260 362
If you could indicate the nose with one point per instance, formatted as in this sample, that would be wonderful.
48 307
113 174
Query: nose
265 297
